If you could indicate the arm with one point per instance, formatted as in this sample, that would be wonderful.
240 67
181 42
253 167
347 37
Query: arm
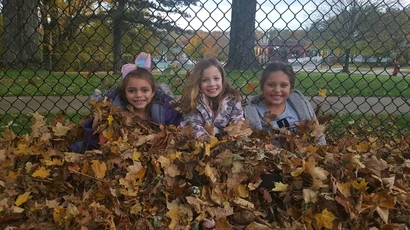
237 113
172 116
90 139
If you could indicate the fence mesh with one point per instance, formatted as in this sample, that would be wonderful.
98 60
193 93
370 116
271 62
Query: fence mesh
350 56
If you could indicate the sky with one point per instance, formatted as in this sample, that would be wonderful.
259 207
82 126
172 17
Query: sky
281 14
216 15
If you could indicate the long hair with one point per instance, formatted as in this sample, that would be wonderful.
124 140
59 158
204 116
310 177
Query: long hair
139 73
278 66
191 92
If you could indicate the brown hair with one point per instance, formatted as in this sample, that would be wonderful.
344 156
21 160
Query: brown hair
139 73
191 92
278 66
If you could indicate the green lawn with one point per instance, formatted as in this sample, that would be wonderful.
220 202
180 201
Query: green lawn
40 83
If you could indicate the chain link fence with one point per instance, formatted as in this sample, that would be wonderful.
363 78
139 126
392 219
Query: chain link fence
345 52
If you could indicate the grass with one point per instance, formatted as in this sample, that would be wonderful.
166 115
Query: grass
21 123
41 83
382 125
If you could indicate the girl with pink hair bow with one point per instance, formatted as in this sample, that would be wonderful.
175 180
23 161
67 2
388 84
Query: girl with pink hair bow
139 92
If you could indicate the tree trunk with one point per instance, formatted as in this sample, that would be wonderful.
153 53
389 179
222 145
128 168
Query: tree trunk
347 61
21 38
49 15
242 36
118 33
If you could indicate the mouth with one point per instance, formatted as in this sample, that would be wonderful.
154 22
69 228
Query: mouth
212 90
276 96
139 102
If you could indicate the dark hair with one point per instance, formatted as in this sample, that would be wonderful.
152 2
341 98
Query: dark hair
191 92
278 66
139 73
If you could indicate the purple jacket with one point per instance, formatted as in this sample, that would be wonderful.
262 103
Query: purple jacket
162 112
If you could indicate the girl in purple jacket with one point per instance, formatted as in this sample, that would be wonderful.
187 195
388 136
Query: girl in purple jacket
139 90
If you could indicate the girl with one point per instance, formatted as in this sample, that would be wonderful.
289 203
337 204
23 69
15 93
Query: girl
140 91
280 98
208 99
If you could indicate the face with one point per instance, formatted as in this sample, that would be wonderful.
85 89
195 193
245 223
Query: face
276 89
211 82
139 93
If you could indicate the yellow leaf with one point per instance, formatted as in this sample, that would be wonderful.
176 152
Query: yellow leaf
363 147
58 215
344 188
60 130
136 156
21 199
241 191
208 150
280 187
360 186
99 169
325 219
209 172
322 92
41 172
54 162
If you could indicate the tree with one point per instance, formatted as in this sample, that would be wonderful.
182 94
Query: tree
242 36
126 20
20 38
350 22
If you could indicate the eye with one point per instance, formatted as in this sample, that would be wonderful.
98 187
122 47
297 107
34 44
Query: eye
130 91
284 85
145 90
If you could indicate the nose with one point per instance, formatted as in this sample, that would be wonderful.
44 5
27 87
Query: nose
276 88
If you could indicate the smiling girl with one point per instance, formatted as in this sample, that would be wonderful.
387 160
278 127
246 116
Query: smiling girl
208 99
280 98
138 92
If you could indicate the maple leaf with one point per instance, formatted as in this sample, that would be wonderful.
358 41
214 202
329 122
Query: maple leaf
344 188
239 128
310 196
362 185
99 168
21 199
322 92
280 187
42 172
241 191
325 219
60 130
38 127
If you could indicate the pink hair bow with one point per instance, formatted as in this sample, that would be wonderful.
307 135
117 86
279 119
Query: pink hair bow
142 61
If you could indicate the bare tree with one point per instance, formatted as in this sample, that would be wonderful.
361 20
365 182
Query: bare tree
350 22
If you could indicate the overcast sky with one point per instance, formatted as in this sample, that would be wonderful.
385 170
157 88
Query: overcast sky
292 14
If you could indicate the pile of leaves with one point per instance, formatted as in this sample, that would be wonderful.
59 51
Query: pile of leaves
147 176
